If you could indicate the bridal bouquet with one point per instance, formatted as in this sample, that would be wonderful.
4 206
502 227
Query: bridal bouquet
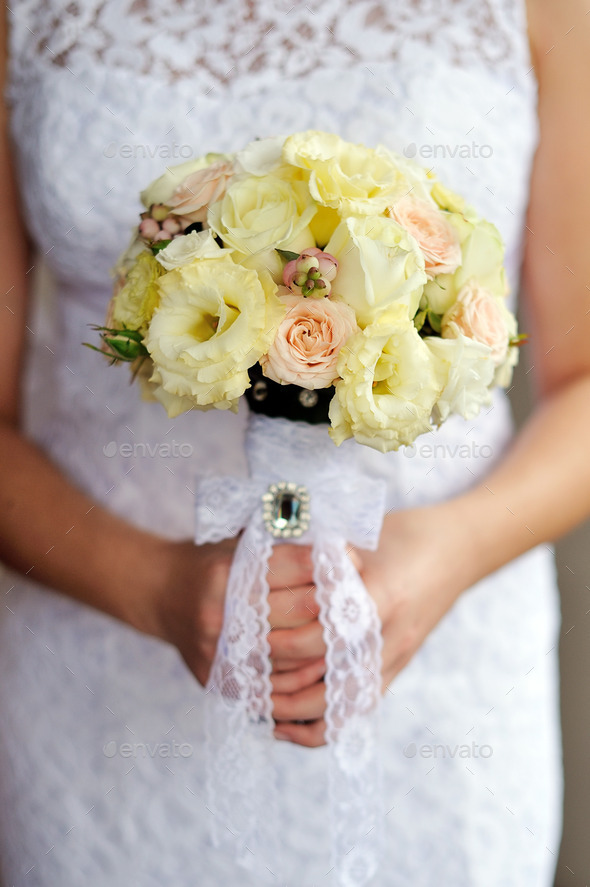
327 282
314 262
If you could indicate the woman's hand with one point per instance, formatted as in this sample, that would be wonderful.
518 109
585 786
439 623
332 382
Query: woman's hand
414 577
188 610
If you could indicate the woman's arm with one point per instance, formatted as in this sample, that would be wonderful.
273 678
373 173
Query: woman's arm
541 488
53 533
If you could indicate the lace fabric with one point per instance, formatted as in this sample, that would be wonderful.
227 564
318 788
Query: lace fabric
182 40
239 689
97 110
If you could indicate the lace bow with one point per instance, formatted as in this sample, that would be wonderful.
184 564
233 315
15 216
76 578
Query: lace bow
346 508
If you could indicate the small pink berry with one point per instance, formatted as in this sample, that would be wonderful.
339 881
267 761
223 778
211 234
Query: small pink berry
171 225
149 229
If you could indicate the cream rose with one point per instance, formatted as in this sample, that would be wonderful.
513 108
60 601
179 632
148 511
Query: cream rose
214 321
257 215
162 189
307 343
435 236
187 247
350 178
482 260
200 190
478 315
466 370
389 385
379 265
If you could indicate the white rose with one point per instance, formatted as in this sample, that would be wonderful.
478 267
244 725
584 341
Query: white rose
379 264
261 156
184 249
466 370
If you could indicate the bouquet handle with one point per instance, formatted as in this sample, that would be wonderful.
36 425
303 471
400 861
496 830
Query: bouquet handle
299 484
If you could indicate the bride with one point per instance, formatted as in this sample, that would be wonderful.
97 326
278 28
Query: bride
111 614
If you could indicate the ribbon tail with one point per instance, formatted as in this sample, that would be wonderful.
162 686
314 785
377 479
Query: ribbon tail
352 633
241 780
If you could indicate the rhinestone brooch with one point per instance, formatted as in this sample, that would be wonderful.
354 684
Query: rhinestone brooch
285 510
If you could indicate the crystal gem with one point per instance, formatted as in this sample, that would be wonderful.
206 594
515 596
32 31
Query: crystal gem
286 510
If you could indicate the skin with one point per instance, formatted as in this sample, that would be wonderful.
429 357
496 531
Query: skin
56 535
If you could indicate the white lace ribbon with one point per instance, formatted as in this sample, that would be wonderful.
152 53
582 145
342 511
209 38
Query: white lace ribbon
347 509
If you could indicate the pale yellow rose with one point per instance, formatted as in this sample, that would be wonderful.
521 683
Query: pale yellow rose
447 199
307 343
466 370
389 385
162 189
479 315
215 320
379 265
134 303
259 215
351 178
482 260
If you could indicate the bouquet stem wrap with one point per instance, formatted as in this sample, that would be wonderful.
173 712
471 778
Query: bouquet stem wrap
346 509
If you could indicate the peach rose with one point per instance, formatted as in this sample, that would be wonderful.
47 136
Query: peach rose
436 237
478 315
308 341
200 190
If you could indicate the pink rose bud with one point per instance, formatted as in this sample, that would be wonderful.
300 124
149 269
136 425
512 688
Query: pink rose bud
327 264
149 229
311 273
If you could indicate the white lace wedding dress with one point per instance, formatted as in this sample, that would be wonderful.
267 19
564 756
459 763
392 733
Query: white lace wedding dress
101 729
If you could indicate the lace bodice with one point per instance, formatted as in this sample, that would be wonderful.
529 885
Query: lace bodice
257 38
449 83
103 95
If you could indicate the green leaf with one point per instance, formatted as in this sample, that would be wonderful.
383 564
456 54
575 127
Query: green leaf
435 321
419 320
161 244
287 255
520 339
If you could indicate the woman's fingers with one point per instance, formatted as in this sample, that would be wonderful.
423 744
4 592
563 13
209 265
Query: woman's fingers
308 704
290 608
310 735
290 566
296 679
292 644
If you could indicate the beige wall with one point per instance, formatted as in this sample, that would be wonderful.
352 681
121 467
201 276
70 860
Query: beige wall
573 561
